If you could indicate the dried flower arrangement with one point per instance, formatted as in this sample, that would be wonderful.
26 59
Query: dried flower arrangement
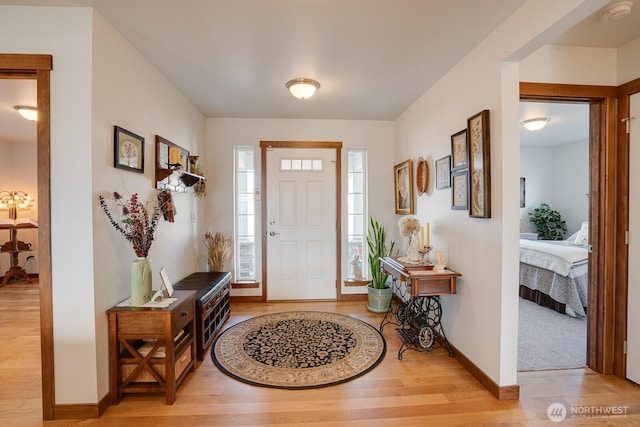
219 249
135 223
200 187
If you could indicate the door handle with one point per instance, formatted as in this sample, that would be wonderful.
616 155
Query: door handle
273 233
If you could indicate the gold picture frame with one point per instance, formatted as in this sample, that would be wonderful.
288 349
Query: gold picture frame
403 187
479 165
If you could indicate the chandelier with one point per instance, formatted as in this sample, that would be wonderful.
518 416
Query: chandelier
14 201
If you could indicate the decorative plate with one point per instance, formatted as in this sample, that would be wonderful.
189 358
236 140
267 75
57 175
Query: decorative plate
422 176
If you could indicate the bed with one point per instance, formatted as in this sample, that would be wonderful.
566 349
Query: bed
555 274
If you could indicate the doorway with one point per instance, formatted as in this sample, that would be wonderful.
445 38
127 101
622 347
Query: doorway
553 273
38 67
301 234
602 158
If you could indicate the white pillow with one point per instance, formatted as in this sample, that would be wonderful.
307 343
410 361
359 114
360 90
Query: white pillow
582 238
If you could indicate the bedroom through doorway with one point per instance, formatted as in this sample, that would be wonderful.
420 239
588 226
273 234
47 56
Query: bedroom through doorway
553 271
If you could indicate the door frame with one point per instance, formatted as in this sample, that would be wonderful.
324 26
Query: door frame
264 147
622 226
38 67
601 316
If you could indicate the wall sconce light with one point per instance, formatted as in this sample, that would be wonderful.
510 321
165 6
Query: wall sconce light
302 88
29 113
535 124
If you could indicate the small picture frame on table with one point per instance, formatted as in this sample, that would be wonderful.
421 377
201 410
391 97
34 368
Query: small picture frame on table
443 172
166 283
128 150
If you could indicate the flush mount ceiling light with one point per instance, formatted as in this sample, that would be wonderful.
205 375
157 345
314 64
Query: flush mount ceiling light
29 113
535 124
302 88
616 11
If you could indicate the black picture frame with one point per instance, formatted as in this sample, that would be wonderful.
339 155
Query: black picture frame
460 190
128 150
522 192
443 173
459 150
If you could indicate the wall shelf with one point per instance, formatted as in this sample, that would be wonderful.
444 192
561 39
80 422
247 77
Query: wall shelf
172 167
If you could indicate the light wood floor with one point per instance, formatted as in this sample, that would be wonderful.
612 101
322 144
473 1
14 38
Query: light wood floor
424 389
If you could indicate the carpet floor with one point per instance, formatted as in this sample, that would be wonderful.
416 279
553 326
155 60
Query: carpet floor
298 349
549 340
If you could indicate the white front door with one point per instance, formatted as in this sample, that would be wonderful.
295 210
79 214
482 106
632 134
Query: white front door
633 301
301 224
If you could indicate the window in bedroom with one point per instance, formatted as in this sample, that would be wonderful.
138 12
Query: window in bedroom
245 216
356 209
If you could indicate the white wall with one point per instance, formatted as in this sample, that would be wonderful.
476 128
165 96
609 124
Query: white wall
628 66
129 92
570 65
224 134
571 183
481 320
536 166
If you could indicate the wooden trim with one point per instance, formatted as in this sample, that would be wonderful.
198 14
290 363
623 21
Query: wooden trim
622 225
244 299
602 210
510 392
84 410
337 145
354 297
38 67
356 282
245 285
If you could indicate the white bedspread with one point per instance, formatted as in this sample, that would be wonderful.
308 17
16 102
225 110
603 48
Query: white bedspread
557 256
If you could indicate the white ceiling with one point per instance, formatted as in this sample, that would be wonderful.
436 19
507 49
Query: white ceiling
373 58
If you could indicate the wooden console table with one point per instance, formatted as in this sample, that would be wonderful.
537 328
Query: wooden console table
415 307
14 247
152 349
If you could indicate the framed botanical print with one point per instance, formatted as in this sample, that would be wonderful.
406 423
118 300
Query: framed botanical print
479 165
443 172
403 187
128 150
460 189
459 151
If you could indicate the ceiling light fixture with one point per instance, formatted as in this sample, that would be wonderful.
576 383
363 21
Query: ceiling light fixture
29 113
302 88
616 11
535 124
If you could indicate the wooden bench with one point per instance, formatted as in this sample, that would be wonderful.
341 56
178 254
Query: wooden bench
212 305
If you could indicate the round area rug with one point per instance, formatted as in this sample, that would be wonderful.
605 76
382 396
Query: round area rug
298 349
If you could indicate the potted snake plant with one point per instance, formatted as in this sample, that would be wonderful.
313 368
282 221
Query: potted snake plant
379 293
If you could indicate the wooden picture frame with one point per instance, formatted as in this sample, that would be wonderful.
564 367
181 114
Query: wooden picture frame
443 172
522 192
128 150
479 165
459 150
460 189
403 187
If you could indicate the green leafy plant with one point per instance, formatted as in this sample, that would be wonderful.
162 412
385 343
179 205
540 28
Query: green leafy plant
378 248
548 222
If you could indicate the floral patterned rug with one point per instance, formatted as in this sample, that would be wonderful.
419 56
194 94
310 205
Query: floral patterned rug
298 349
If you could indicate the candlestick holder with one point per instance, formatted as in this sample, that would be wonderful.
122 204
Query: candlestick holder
424 252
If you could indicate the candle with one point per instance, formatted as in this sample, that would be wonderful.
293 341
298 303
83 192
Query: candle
428 234
421 237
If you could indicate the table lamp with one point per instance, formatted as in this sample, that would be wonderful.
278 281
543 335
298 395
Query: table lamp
14 201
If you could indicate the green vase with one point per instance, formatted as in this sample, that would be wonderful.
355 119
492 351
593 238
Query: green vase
379 299
140 281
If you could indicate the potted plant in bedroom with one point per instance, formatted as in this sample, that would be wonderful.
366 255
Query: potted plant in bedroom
379 293
548 222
